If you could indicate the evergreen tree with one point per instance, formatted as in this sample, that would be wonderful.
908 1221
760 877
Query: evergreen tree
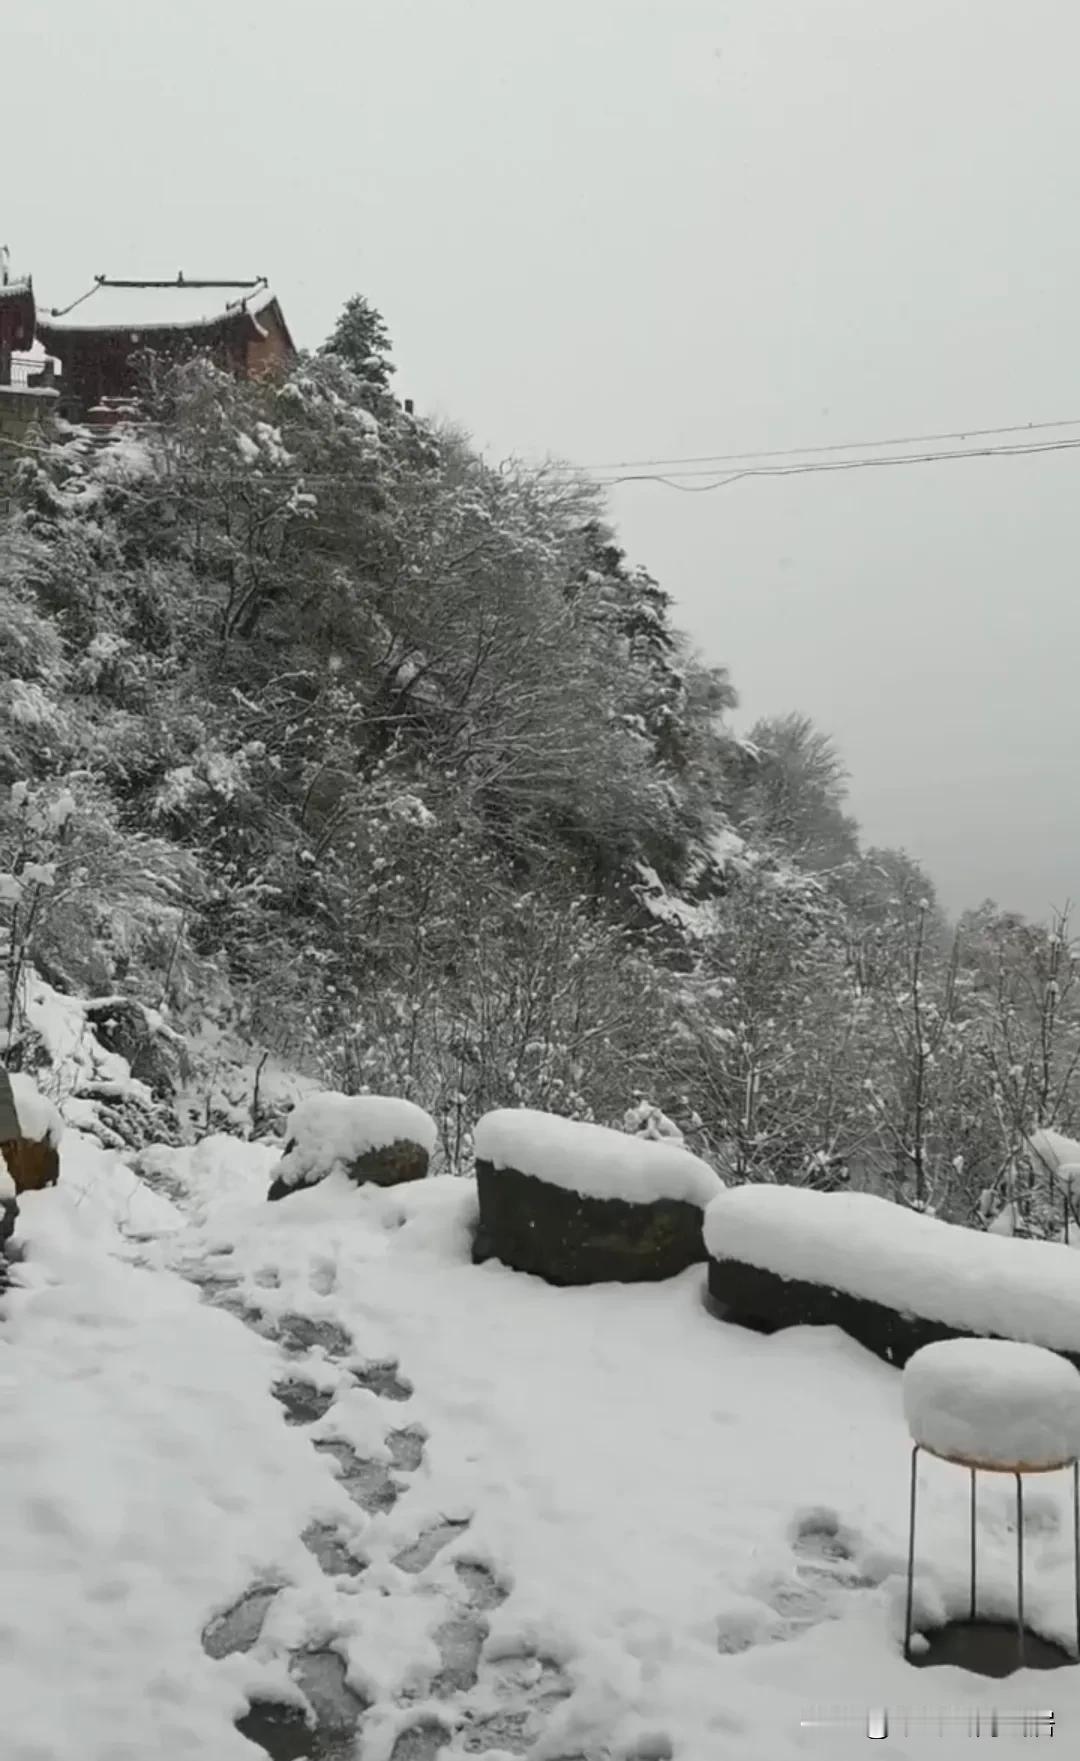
360 339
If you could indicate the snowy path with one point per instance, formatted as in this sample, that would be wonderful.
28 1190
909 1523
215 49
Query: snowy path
464 1705
258 1453
314 1346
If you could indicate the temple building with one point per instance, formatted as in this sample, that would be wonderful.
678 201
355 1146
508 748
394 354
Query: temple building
99 338
26 388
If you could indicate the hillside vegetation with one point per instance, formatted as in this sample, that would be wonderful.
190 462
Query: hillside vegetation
323 737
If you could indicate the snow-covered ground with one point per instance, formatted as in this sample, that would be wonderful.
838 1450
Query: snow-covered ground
596 1523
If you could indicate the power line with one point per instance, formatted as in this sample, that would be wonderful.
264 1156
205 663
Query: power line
784 465
815 467
791 452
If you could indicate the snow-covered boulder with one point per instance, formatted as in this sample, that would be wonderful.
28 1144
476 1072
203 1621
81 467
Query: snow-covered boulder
31 1158
894 1279
1049 1152
374 1138
580 1204
9 1209
9 1216
155 1054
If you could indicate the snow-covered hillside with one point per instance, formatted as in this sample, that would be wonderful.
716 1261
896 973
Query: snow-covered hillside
569 1523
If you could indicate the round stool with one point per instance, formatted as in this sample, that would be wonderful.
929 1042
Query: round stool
992 1406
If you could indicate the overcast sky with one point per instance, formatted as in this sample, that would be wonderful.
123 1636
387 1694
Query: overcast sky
626 229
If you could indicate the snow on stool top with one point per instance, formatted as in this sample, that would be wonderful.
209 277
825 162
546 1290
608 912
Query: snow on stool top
328 1131
868 1247
593 1160
992 1403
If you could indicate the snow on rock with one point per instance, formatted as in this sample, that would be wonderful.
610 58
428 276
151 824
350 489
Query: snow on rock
1049 1152
39 1119
327 1132
870 1248
646 1120
1007 1221
1052 1154
593 1160
693 920
993 1402
84 1073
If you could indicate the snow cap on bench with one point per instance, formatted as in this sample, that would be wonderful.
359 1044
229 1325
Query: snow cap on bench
592 1160
867 1247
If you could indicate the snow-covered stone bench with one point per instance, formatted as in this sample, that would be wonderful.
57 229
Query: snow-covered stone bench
581 1204
892 1278
371 1138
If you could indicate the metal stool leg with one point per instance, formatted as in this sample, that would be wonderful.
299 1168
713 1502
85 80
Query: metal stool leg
1076 1547
1020 1567
911 1554
971 1615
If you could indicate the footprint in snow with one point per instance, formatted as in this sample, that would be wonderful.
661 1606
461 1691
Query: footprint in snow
327 1733
519 1697
422 1551
320 1676
238 1628
282 1732
460 1640
828 1561
332 1551
157 1180
304 1403
323 1277
296 1334
226 1293
368 1483
515 1696
406 1448
826 1547
421 1742
303 1333
382 1378
479 1586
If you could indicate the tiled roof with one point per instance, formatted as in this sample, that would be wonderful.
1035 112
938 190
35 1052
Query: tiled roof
174 305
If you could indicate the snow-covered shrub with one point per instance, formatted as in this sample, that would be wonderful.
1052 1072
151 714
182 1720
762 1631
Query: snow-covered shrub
88 902
644 1119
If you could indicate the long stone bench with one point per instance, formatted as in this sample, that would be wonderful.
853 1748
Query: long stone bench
891 1278
578 1203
